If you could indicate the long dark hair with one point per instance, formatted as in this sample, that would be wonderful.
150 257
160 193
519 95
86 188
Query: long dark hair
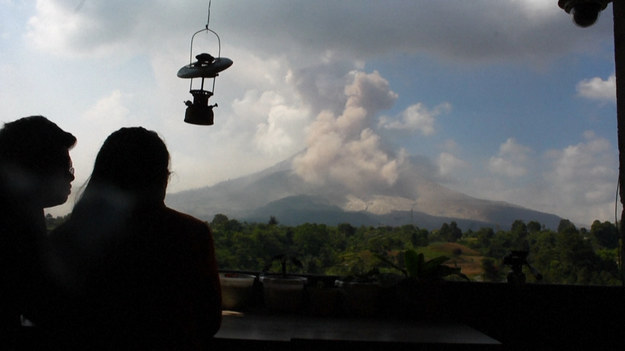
130 170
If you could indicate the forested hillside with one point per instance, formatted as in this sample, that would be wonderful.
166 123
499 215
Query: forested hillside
568 255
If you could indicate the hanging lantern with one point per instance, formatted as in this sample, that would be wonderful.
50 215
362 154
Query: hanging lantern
199 112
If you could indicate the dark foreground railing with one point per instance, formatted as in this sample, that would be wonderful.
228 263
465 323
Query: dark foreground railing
530 316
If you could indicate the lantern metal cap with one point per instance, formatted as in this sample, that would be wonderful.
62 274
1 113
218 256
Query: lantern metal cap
206 66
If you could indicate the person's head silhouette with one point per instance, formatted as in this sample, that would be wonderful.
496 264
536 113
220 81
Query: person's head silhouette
35 162
134 163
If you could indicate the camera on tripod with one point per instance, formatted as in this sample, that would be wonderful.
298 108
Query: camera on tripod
516 260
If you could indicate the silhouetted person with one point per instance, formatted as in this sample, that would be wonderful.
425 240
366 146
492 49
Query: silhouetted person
35 172
142 276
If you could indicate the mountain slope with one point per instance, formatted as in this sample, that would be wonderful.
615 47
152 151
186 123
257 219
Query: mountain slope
414 199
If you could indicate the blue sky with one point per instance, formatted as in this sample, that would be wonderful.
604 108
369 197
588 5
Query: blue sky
507 99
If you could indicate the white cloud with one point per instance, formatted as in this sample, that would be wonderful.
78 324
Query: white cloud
415 118
283 128
583 178
577 182
598 89
449 165
480 30
50 27
109 111
475 30
511 160
70 28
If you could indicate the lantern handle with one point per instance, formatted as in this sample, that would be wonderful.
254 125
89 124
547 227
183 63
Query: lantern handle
191 52
208 19
203 30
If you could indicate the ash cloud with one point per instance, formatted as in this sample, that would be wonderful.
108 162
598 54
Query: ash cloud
344 149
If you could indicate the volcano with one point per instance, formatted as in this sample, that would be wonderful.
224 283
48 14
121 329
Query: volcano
414 198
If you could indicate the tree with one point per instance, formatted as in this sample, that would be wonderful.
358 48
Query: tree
519 228
533 227
518 236
267 241
317 245
233 226
492 273
219 221
450 232
501 244
605 233
310 239
566 226
53 222
273 220
484 236
346 229
419 237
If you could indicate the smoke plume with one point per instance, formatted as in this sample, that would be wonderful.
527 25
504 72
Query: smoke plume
343 149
